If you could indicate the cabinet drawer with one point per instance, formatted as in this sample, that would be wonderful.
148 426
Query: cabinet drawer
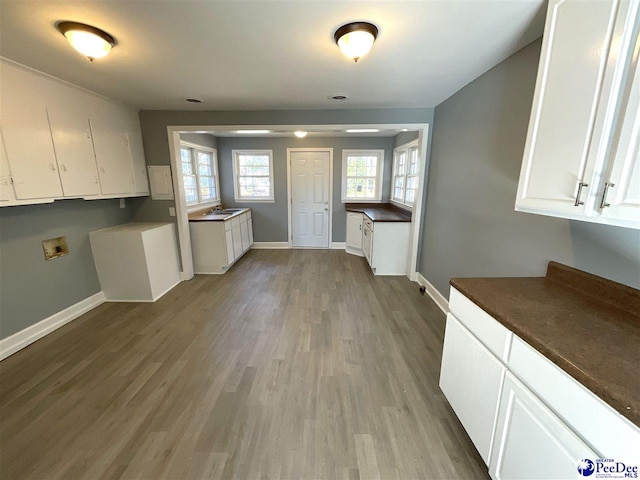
486 328
610 434
227 225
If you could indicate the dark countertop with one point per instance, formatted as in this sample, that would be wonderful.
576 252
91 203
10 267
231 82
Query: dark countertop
588 326
380 212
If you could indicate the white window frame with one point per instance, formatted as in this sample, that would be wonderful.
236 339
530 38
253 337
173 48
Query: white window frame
396 153
194 165
236 177
363 152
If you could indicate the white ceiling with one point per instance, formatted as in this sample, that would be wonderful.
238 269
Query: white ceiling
241 55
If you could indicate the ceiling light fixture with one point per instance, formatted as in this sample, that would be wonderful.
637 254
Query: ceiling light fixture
300 133
338 97
355 39
253 132
89 41
363 130
193 100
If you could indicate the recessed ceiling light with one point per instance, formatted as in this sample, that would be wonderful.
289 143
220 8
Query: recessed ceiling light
338 97
355 39
193 100
253 132
362 130
300 133
89 41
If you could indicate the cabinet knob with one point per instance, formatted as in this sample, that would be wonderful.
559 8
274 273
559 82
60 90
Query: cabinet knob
603 202
581 185
52 167
63 167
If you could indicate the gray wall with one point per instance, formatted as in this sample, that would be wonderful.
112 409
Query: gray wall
31 289
471 228
403 138
154 125
270 219
203 139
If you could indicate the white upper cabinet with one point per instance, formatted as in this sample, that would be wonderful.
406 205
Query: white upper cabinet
138 165
113 158
585 76
74 152
27 138
53 150
6 188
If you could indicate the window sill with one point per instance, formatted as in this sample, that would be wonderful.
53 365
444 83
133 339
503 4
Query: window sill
404 206
255 200
361 200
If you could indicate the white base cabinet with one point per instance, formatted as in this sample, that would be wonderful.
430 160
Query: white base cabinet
136 262
386 246
216 245
526 416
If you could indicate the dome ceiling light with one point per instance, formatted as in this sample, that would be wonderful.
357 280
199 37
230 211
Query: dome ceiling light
355 39
89 41
300 133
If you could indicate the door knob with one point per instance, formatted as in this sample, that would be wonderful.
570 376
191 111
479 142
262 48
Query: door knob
326 203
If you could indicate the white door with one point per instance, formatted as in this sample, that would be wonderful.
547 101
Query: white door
310 215
244 233
113 158
554 171
530 441
228 236
367 242
74 151
471 379
621 198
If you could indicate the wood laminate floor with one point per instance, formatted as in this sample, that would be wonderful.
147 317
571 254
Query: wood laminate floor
296 364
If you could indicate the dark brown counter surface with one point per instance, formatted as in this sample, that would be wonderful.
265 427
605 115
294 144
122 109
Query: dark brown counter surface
380 212
586 325
214 217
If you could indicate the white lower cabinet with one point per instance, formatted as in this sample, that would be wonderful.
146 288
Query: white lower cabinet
216 245
471 379
531 442
353 243
386 246
527 417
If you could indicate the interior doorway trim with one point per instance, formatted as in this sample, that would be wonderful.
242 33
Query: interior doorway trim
182 222
289 198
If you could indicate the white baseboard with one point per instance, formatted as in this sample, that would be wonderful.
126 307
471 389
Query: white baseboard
338 246
23 338
269 245
435 295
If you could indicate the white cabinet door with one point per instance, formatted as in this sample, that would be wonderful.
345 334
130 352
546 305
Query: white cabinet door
113 158
244 233
354 231
367 243
237 241
7 194
250 227
620 196
530 441
74 151
572 67
29 149
471 378
138 164
228 236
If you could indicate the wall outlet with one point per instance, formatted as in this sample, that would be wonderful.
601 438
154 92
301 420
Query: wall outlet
55 247
172 211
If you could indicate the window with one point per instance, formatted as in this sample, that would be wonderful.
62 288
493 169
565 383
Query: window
253 175
406 169
199 174
362 175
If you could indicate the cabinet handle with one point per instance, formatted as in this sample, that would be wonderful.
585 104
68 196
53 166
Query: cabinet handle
581 185
53 169
102 169
360 226
63 167
603 202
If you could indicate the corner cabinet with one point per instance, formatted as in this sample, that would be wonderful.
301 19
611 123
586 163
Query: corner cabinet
353 243
63 142
582 154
